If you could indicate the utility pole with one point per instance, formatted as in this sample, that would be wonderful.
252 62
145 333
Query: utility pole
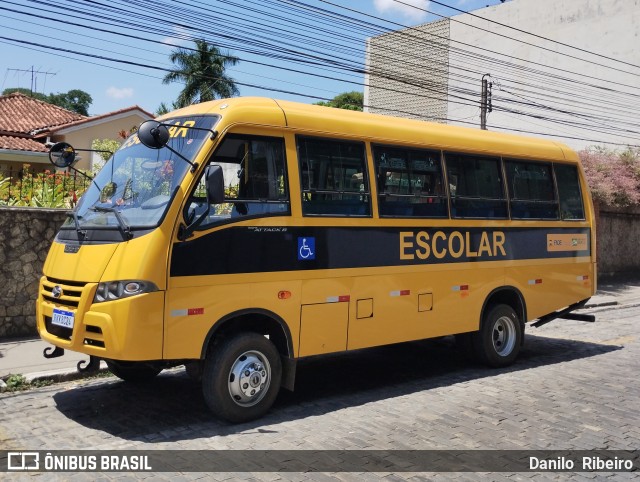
485 101
34 76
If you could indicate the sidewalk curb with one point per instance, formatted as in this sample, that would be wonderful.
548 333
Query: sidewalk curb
63 374
618 306
600 305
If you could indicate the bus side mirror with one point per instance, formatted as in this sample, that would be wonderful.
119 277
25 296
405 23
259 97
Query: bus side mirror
153 135
215 184
62 155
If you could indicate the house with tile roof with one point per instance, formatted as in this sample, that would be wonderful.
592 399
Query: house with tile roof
28 126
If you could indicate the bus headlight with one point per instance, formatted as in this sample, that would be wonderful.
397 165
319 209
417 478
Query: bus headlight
115 290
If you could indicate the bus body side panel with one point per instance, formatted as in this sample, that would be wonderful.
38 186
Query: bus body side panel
196 303
549 286
420 303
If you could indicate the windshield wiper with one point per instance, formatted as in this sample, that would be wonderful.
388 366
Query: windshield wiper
82 233
123 227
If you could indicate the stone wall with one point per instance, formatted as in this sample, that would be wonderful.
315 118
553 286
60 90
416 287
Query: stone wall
618 232
25 237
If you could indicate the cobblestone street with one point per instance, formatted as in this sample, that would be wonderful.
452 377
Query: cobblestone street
575 386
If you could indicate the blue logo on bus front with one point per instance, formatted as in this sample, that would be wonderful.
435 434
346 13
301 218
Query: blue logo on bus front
306 249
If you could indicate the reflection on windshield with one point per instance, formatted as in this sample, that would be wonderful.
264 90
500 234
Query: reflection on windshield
134 188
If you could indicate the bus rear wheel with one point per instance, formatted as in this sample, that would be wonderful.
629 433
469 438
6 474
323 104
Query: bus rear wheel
133 371
241 377
498 341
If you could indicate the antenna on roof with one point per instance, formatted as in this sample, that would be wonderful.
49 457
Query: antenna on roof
34 76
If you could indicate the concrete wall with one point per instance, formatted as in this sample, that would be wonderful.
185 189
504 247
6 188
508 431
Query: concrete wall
25 237
26 234
417 56
618 232
591 84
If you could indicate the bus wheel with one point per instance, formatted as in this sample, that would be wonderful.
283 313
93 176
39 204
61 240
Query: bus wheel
498 342
133 371
241 377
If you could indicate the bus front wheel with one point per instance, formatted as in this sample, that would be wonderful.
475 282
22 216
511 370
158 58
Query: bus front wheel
241 377
498 341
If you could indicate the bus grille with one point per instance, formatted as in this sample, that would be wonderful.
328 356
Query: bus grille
71 291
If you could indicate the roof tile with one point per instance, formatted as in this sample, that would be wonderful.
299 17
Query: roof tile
23 114
21 144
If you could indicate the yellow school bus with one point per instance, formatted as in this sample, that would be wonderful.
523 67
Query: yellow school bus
237 236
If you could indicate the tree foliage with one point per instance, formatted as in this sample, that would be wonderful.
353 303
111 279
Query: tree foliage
75 100
202 70
613 176
347 100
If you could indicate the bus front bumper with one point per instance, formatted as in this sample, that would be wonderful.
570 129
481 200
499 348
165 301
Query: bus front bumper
130 329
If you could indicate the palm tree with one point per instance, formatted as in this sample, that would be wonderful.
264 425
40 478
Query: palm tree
203 72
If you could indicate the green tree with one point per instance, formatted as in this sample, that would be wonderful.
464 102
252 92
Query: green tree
203 72
347 100
75 100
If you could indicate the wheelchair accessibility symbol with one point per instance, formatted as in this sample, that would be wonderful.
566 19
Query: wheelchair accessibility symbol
306 249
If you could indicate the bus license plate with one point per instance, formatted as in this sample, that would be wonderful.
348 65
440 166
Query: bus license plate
62 318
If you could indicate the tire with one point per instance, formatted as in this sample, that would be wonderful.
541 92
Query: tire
133 371
498 342
241 377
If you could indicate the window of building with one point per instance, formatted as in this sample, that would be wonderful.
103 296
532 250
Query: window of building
254 177
531 190
475 186
569 191
409 182
333 177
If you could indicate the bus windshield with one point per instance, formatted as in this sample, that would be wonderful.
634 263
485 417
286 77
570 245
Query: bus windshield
135 186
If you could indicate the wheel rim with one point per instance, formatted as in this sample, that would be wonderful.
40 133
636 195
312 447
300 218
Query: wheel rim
249 378
504 336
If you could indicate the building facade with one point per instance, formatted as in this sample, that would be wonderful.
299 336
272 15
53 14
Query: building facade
576 79
28 127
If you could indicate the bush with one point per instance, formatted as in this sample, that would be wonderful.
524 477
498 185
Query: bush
613 176
44 189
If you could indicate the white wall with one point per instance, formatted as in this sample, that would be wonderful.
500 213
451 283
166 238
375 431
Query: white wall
608 27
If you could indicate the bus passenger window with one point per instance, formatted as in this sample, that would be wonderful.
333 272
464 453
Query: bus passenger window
569 192
409 182
333 177
475 184
531 190
254 178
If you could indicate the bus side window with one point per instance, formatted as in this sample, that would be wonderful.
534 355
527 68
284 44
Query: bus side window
531 190
333 177
476 187
569 191
254 177
409 182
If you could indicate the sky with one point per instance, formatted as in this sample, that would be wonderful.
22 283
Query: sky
48 38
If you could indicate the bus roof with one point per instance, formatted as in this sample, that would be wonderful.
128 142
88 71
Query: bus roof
332 122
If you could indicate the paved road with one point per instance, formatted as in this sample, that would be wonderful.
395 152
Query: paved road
575 386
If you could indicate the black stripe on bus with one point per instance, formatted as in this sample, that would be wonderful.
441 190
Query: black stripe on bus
270 249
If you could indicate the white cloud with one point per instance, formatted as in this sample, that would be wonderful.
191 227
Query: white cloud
406 9
123 93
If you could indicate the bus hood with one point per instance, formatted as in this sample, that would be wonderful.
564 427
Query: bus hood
85 263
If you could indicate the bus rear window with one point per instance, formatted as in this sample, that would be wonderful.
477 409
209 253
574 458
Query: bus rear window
569 192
